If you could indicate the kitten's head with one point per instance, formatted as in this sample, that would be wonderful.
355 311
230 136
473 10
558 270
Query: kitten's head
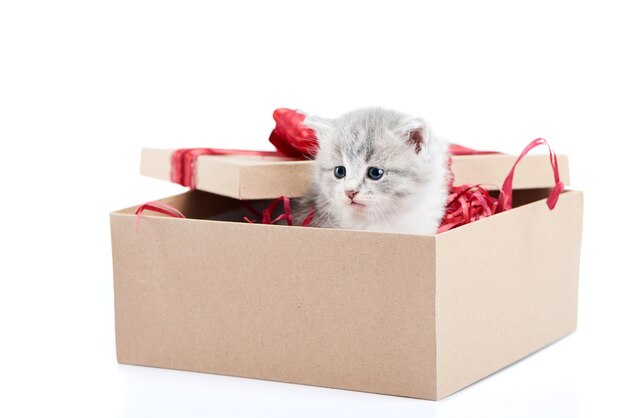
373 164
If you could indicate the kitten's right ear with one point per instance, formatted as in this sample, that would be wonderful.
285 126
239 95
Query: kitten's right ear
321 127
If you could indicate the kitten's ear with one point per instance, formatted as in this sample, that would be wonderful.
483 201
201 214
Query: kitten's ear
321 127
417 138
418 134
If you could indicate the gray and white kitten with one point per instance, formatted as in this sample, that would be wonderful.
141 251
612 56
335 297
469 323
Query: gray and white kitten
377 170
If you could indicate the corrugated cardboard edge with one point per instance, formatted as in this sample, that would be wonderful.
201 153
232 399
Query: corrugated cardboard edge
493 307
268 177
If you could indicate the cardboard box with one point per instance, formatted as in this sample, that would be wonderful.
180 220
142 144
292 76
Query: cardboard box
248 177
398 314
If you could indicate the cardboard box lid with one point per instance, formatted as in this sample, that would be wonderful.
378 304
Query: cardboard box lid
266 177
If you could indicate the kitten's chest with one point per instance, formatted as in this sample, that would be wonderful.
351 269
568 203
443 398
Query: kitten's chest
411 222
397 224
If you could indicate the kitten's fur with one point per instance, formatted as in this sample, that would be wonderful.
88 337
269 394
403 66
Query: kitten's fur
410 197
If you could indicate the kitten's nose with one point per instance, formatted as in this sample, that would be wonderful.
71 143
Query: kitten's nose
351 193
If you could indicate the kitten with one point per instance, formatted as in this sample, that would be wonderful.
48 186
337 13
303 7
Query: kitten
377 170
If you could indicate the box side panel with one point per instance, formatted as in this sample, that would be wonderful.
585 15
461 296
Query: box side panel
506 287
333 308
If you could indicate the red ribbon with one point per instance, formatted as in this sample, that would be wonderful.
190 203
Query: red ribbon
183 164
266 217
157 207
291 137
455 149
469 203
505 200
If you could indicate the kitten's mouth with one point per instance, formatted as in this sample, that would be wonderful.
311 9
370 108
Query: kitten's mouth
356 205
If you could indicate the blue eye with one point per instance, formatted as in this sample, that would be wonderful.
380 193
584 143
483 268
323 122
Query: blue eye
375 173
340 172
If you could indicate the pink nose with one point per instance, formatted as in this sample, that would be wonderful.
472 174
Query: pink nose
351 193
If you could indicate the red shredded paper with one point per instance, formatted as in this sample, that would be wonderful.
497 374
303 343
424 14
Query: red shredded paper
469 203
466 204
266 216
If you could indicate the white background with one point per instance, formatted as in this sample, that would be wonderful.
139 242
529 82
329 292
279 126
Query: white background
84 85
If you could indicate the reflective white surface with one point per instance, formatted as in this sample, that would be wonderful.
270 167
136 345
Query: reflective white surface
84 85
537 387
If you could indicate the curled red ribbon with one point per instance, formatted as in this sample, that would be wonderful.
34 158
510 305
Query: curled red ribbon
469 203
157 207
505 200
266 216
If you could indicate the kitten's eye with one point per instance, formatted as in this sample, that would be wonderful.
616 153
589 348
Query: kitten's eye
340 172
375 173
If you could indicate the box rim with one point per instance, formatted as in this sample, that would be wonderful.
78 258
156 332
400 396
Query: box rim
123 212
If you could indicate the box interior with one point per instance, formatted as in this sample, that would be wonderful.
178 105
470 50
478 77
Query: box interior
207 206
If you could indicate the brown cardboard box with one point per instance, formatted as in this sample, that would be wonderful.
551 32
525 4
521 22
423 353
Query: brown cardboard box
408 315
248 177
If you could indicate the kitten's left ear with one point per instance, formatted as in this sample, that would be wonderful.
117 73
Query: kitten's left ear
417 137
418 134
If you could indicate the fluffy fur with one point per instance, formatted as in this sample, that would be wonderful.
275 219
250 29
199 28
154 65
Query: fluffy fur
411 194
